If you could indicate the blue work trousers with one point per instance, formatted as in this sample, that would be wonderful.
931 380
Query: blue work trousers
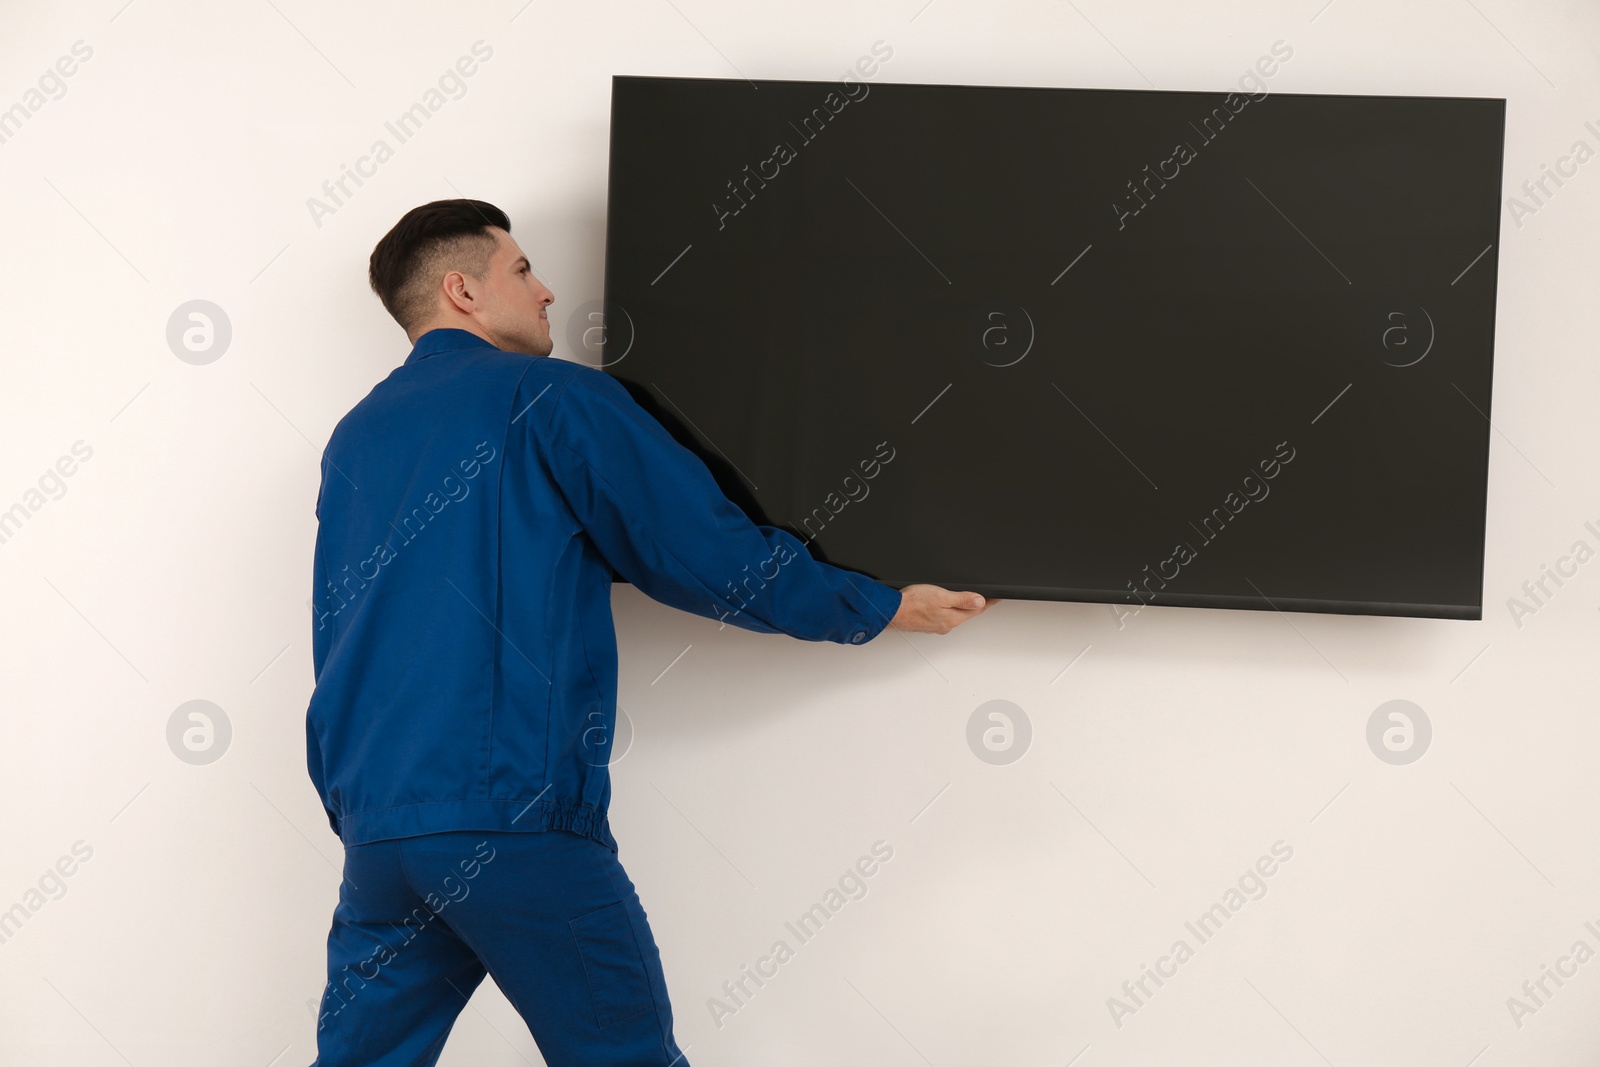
550 914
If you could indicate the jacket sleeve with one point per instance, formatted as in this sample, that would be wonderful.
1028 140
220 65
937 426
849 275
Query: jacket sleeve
660 519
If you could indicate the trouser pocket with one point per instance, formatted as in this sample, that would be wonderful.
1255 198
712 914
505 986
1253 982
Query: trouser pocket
619 983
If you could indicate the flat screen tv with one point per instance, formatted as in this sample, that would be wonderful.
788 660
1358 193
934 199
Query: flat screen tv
1207 349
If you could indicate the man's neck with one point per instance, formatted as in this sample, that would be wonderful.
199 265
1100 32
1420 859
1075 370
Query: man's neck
467 325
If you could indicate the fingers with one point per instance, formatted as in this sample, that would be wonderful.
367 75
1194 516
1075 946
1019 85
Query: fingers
943 609
973 603
964 605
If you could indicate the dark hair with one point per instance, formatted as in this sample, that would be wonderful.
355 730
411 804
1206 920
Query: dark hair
427 242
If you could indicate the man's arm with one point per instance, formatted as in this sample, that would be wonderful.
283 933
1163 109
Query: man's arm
659 517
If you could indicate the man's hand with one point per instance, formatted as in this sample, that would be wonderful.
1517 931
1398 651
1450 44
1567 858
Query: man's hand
931 609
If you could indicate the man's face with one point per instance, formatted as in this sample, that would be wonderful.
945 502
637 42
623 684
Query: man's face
512 301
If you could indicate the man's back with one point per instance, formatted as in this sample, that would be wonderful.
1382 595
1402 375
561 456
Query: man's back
471 511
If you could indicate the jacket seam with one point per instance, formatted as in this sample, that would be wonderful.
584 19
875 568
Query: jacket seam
549 705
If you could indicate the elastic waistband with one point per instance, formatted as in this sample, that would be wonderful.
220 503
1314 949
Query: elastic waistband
411 820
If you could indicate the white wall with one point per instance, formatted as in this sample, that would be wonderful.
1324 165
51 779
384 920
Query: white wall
1173 754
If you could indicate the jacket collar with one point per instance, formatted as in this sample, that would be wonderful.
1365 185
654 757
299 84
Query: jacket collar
445 340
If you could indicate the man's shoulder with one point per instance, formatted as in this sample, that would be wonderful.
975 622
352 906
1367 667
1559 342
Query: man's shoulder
537 385
557 372
570 370
554 380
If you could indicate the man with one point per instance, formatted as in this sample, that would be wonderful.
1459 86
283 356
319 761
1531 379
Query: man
471 511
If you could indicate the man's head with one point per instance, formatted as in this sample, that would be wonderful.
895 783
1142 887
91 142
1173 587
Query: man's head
453 264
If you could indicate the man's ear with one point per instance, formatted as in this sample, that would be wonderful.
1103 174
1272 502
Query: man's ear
460 291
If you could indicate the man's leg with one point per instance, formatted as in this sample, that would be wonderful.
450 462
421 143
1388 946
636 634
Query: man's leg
557 922
397 975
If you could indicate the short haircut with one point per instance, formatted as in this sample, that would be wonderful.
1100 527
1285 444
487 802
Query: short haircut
428 242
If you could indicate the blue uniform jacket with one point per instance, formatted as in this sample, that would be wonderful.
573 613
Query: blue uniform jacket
471 509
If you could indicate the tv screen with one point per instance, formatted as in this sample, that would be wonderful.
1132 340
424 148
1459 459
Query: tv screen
1138 348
